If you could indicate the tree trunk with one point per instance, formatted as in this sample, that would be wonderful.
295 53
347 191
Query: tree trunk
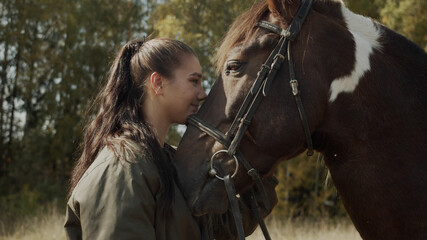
12 101
3 78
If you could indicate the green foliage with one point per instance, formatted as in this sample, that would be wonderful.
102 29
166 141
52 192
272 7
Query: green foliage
22 203
174 135
408 18
369 8
199 23
16 207
305 189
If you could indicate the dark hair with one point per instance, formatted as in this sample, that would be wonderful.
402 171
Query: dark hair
119 123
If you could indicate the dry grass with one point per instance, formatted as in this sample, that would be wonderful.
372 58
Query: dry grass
49 226
308 230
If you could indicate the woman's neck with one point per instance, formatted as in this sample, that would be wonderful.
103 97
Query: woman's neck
154 116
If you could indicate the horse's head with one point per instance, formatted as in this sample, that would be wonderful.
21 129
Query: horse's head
276 130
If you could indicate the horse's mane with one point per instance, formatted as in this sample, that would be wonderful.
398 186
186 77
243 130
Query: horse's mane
242 29
412 52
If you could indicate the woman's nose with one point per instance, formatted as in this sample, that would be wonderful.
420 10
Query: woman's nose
202 94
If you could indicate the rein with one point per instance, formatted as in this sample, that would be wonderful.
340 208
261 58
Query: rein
231 139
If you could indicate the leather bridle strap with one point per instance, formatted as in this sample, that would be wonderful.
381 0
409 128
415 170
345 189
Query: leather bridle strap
299 18
209 129
256 210
231 192
295 91
256 177
235 209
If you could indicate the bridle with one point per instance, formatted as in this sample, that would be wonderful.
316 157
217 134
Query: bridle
231 139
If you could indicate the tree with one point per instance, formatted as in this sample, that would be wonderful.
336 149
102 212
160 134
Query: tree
408 18
54 56
369 8
305 189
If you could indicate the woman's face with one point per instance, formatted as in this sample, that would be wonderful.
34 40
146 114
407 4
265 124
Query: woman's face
183 91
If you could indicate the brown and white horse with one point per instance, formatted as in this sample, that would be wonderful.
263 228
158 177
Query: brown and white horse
364 90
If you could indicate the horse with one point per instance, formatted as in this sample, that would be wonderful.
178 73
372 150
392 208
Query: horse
364 92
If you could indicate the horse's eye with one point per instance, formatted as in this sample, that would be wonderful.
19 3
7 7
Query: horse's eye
233 66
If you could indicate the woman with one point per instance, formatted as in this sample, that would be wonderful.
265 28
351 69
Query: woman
123 184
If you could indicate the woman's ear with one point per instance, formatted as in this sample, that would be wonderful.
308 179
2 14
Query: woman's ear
156 83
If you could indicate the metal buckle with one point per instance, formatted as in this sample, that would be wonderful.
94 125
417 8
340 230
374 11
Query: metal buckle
285 33
279 56
213 172
294 85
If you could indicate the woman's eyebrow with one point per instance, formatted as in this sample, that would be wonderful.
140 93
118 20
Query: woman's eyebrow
199 75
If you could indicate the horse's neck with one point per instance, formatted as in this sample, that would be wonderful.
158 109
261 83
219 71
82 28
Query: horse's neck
401 56
374 137
378 166
384 192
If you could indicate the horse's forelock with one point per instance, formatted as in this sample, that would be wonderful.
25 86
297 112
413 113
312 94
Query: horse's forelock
240 31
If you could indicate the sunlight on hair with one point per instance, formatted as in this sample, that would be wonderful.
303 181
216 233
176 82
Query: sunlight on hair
125 148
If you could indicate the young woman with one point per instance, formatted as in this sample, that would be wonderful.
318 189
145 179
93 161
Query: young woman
123 184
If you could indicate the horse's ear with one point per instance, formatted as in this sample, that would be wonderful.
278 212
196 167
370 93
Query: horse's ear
283 8
274 6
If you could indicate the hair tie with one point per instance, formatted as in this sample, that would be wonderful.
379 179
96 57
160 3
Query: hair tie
134 46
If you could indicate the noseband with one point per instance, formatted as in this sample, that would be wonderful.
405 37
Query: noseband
231 139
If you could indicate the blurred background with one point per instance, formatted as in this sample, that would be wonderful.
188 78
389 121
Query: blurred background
54 57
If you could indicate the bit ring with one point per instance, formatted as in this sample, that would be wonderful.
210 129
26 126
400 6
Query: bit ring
213 171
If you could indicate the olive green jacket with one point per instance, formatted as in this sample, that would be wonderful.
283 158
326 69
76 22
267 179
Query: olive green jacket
119 200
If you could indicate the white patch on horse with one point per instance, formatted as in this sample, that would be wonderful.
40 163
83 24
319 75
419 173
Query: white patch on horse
366 37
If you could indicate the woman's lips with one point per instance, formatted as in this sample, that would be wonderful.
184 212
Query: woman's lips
196 107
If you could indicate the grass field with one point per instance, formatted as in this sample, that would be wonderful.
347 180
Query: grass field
44 225
308 230
48 226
